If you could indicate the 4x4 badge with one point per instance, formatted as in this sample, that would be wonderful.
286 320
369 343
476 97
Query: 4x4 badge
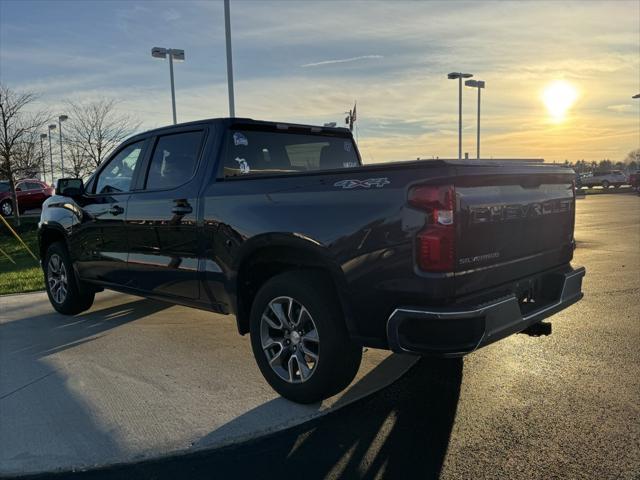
368 183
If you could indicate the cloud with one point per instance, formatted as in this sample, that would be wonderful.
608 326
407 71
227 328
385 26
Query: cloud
341 60
620 108
171 15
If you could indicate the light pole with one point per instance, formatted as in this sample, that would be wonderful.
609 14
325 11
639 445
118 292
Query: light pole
227 31
44 170
479 84
174 54
459 76
61 118
51 127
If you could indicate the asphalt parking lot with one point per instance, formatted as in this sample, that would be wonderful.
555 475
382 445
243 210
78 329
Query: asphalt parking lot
562 406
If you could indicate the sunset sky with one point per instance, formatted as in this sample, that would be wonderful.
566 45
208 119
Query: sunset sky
307 62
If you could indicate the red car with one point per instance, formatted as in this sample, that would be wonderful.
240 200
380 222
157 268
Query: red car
634 180
31 194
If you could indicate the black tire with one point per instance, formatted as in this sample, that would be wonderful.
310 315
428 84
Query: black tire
338 358
74 300
6 208
605 184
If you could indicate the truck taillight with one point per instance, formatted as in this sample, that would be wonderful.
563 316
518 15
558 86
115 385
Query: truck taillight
435 243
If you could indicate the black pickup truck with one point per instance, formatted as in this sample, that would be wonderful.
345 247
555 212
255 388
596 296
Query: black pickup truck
314 253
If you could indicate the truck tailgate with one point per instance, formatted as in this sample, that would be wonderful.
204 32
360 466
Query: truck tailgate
511 225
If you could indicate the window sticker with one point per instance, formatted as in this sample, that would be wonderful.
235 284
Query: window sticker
347 146
240 139
243 165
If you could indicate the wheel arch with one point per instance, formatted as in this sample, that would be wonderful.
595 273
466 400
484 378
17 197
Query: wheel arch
48 234
273 254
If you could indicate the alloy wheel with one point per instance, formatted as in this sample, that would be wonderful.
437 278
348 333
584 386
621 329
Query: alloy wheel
57 278
7 209
289 339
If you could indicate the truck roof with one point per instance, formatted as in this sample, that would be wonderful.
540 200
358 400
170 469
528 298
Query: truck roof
240 121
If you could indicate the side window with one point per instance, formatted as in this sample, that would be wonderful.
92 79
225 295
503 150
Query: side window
33 186
174 160
117 175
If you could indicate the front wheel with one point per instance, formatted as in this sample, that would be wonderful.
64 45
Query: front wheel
60 282
605 184
6 208
299 338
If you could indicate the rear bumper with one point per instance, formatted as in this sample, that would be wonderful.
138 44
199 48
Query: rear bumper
456 331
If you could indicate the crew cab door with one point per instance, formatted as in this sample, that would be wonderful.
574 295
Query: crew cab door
162 213
99 244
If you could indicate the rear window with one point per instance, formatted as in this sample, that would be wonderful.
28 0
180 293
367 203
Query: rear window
4 187
251 152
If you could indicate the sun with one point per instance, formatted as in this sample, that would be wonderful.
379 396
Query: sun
558 97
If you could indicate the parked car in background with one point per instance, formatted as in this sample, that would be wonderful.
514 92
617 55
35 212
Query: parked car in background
634 180
31 194
604 179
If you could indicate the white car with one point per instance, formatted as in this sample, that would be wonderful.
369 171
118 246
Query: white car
604 178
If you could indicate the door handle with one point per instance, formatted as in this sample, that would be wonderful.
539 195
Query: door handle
182 209
116 210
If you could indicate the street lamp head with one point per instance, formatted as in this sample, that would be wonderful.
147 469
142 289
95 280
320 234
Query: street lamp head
63 118
456 75
43 136
158 52
177 54
636 95
52 126
474 83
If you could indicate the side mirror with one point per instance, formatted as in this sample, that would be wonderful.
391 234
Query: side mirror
70 187
18 189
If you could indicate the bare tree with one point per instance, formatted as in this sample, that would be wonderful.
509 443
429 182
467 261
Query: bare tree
633 156
19 154
78 163
94 129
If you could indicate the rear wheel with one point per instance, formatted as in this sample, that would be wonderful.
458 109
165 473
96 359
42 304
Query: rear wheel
299 338
605 184
62 287
6 208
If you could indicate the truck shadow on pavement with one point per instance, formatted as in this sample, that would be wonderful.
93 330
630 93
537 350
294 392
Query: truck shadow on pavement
37 399
402 431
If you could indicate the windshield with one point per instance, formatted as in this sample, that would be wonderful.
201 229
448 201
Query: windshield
4 187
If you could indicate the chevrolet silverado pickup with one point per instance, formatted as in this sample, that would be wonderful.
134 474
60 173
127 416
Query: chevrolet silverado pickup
316 254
